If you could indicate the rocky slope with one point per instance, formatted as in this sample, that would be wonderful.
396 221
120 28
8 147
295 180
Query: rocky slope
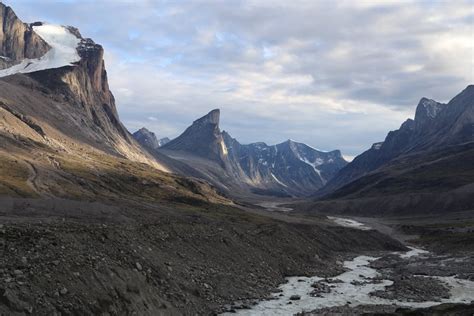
435 126
17 39
425 166
286 169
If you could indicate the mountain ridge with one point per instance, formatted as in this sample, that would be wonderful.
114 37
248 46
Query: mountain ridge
425 166
286 169
435 125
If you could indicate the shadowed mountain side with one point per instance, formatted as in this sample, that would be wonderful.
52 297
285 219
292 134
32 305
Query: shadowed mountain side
435 126
424 167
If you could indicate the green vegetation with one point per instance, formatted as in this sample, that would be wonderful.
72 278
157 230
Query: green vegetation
14 178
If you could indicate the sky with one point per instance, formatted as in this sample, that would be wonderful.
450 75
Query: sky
332 74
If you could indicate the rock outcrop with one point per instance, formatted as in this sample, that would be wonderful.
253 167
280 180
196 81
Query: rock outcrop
149 140
203 138
17 39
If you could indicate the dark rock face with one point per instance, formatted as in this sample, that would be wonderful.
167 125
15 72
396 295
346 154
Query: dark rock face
289 168
85 86
80 93
203 138
17 39
436 125
148 139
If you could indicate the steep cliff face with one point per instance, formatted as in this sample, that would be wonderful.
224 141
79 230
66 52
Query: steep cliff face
203 138
149 140
65 91
17 39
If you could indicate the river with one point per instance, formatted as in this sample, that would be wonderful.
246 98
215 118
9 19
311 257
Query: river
352 287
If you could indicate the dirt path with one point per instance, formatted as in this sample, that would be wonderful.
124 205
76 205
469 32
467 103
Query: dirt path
32 178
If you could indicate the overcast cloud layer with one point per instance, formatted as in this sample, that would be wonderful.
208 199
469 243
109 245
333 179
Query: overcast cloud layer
332 74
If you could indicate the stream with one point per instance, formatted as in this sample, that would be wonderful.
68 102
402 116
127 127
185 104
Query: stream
352 287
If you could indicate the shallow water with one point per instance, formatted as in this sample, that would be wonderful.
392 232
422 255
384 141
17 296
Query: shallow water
353 289
346 222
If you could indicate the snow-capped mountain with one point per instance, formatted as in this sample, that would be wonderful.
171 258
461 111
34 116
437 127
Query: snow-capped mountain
41 59
60 133
62 52
289 168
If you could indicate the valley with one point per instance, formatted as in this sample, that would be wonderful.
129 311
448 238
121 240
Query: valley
95 220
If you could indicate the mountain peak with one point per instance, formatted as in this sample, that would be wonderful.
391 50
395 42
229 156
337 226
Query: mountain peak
203 138
148 139
428 109
210 118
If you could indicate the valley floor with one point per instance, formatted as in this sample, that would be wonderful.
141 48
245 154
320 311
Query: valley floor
63 257
437 277
119 257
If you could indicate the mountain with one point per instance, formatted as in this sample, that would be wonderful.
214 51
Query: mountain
203 138
286 169
424 166
60 133
435 125
149 139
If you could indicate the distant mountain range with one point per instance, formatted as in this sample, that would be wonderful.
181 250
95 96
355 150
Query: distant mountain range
286 169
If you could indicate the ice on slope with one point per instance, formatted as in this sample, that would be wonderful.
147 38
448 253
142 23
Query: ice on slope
346 222
278 181
62 53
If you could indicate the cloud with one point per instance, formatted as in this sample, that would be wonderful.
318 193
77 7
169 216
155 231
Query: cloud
334 74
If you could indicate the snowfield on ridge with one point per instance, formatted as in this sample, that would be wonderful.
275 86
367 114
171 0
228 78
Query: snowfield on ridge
63 51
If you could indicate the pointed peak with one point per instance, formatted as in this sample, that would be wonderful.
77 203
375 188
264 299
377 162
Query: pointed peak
289 141
143 130
210 118
408 124
427 109
470 88
147 138
468 91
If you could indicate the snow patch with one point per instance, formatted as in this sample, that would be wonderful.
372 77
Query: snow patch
313 164
278 181
413 253
62 53
377 146
432 107
349 223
